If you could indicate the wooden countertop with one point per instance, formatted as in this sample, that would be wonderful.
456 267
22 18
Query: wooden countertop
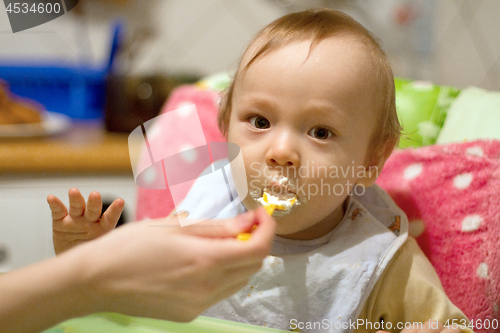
85 148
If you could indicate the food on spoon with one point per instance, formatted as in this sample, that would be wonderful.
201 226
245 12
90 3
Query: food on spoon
270 204
270 209
245 235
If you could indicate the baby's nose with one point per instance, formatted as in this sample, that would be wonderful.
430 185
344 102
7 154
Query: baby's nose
283 152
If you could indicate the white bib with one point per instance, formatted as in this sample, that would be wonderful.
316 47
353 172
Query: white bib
318 288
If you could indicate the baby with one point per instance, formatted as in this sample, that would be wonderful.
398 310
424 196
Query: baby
312 108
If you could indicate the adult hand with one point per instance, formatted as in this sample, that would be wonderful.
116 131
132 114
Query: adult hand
153 269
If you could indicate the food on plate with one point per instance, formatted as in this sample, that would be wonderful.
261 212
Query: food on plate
14 110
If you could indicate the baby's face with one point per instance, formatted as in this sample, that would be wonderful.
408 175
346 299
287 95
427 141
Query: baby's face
308 119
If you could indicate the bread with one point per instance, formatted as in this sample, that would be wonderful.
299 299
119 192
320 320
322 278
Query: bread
18 111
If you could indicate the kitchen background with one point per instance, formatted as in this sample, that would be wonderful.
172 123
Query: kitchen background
452 42
448 42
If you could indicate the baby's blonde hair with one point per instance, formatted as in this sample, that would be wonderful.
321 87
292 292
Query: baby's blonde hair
317 25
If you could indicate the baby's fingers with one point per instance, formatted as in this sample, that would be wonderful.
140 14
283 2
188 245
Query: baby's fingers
94 207
57 208
76 203
112 214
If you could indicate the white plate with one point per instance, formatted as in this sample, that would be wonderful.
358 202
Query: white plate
53 123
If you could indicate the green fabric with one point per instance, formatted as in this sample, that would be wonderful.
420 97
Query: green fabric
421 108
217 82
118 323
475 114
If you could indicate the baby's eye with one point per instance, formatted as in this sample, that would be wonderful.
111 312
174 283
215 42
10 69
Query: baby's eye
320 133
259 122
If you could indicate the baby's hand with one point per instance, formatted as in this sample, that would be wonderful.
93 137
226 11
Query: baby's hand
84 221
430 327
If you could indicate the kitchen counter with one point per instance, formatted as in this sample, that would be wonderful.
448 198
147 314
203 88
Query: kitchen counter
86 147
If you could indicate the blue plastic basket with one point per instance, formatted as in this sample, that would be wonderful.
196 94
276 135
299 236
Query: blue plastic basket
77 91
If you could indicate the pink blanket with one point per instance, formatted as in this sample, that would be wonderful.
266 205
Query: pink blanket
451 194
155 203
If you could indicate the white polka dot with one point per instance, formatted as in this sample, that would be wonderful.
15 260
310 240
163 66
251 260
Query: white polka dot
188 153
447 150
153 132
471 223
475 151
428 129
463 181
416 228
149 175
413 171
184 109
482 271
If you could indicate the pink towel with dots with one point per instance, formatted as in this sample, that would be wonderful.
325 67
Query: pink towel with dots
156 203
451 194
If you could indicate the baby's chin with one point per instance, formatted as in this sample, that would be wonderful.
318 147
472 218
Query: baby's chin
286 229
292 223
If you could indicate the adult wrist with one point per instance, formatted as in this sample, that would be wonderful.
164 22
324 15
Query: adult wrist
74 283
83 283
43 295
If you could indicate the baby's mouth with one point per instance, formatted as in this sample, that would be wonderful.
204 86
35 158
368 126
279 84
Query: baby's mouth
280 191
280 203
278 196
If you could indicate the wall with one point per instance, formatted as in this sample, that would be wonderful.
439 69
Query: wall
467 48
448 41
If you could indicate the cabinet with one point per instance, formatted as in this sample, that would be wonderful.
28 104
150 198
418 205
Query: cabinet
25 218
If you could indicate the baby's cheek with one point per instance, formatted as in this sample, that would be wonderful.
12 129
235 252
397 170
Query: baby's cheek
327 197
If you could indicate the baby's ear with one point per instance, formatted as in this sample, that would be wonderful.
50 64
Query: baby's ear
375 163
